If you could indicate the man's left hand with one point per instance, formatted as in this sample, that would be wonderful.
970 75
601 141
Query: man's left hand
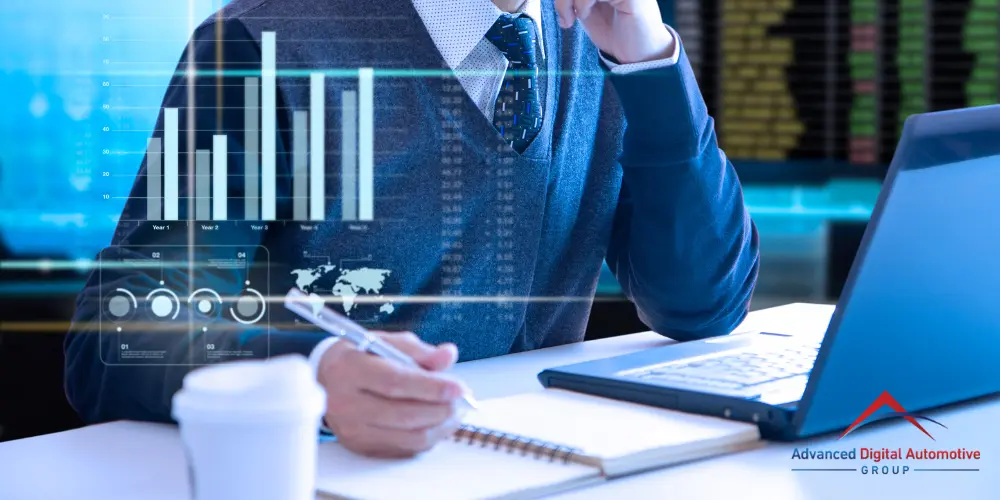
630 31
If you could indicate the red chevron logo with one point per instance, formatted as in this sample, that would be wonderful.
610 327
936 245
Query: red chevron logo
886 399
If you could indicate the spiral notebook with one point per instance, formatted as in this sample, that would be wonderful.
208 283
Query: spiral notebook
536 444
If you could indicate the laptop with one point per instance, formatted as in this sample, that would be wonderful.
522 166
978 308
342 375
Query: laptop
919 316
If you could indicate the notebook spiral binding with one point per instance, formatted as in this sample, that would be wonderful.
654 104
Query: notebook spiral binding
473 435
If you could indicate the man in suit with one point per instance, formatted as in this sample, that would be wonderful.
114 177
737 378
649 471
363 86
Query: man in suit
563 134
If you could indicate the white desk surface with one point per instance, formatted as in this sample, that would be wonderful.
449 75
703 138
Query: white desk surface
127 460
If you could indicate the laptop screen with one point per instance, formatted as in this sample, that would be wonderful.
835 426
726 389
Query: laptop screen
948 137
917 318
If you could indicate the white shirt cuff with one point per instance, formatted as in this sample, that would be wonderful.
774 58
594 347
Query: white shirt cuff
317 353
621 69
314 358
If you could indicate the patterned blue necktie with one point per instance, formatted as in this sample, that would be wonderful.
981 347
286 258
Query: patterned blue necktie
518 111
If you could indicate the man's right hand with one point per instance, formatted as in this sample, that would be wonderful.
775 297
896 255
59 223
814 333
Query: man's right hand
379 408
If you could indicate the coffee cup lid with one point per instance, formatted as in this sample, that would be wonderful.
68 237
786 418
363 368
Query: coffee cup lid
279 388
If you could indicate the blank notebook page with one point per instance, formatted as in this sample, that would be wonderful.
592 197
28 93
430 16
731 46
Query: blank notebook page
607 429
449 471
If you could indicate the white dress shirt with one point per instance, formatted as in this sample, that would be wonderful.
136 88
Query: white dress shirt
458 29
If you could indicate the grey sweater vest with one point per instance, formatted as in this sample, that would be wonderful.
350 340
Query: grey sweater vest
457 213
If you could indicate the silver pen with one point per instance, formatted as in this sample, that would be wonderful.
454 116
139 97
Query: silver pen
313 309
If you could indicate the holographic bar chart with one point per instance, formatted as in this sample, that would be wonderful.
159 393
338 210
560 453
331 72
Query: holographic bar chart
305 152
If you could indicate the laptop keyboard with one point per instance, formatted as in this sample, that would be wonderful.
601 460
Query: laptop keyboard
735 370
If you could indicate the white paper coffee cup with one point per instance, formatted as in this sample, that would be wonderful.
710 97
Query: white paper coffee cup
249 429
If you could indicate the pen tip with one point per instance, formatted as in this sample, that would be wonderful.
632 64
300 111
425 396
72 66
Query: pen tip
470 402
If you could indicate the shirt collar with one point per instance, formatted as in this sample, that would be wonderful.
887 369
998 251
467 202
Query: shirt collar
456 27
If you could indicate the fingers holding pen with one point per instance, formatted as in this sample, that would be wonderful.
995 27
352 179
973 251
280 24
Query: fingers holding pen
433 358
390 380
379 407
402 415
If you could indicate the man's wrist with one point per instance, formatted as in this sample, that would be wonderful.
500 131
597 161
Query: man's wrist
672 54
317 353
665 111
657 43
314 360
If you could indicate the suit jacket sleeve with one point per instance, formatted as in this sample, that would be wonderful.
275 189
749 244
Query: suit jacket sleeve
683 246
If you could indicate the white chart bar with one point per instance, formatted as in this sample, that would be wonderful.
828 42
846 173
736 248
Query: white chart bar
349 155
366 144
154 178
268 126
202 185
317 146
170 164
251 138
300 172
220 178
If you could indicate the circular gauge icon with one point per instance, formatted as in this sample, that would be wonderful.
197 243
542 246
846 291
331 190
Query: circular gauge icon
163 304
205 301
249 307
121 305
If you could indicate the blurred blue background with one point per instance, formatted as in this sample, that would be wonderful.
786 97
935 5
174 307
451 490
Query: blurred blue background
76 99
